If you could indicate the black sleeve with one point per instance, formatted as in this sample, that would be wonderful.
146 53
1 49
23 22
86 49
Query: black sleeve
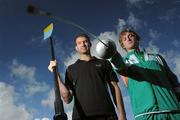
171 76
110 72
68 80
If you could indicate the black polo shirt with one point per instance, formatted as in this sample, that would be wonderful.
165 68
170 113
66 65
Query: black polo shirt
88 81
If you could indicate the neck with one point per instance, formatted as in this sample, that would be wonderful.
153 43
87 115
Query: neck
86 57
136 49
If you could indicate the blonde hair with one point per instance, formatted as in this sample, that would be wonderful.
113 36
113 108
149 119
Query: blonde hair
127 30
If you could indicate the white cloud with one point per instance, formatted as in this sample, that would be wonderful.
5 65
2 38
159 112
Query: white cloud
71 59
121 24
134 22
22 71
169 15
134 1
10 110
31 85
154 35
49 102
176 43
152 48
137 3
36 87
45 118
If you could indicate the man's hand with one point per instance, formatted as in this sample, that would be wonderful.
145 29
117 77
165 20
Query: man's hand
52 64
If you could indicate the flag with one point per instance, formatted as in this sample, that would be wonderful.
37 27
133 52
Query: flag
48 31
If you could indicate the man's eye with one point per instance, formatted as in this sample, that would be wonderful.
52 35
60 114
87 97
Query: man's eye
124 39
131 35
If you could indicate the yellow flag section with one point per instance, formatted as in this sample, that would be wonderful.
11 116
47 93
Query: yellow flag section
48 31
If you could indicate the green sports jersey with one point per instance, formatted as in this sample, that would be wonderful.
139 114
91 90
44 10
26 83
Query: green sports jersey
150 86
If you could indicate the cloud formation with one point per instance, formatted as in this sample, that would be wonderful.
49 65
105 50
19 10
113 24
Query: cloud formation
176 43
45 118
22 72
10 109
154 35
49 102
169 16
135 22
138 3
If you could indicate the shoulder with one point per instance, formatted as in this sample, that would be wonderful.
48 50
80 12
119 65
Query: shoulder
157 57
102 61
73 66
152 54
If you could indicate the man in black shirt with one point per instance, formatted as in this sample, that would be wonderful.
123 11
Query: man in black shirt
87 81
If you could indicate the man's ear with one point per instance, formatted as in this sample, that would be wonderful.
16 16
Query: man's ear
76 48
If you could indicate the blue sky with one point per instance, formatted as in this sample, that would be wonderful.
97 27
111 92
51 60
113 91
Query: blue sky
25 83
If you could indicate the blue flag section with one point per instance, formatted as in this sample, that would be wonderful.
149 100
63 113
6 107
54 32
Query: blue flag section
48 31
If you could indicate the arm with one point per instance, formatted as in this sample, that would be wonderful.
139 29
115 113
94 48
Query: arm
64 91
126 70
119 101
171 76
116 92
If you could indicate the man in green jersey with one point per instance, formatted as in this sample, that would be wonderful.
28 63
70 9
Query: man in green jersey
151 84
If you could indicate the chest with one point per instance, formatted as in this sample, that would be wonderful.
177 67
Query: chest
87 73
146 61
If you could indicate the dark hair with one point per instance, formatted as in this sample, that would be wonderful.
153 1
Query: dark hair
82 35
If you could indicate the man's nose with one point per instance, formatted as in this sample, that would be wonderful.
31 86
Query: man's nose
82 44
128 37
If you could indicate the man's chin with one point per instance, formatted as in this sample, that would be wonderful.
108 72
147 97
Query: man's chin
84 52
